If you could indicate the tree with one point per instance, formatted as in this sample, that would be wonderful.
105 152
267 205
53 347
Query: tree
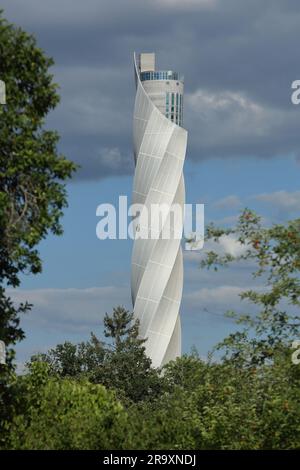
32 172
127 368
10 333
32 196
65 414
209 405
276 252
248 399
121 365
200 405
74 360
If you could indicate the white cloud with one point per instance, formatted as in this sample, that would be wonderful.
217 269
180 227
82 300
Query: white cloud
240 101
111 157
227 123
216 300
226 244
70 309
230 244
230 220
282 200
220 114
229 202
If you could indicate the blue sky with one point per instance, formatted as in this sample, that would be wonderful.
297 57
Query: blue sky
243 148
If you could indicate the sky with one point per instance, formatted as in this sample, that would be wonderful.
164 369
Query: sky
239 60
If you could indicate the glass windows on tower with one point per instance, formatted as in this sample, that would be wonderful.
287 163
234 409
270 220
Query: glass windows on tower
180 110
160 75
174 107
167 104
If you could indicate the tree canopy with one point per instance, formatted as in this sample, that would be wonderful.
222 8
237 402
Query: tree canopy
32 176
32 196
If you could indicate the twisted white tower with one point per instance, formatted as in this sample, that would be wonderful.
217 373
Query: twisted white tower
159 153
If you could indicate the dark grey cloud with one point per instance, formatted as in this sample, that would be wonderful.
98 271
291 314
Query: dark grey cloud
239 60
95 120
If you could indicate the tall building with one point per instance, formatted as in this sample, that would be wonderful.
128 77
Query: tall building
159 152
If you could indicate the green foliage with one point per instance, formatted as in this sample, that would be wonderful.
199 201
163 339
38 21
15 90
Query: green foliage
276 252
220 406
31 171
63 414
126 368
203 406
98 396
32 176
249 399
74 360
122 329
121 365
10 333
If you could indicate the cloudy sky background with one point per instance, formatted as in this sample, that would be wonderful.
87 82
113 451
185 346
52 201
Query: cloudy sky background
239 60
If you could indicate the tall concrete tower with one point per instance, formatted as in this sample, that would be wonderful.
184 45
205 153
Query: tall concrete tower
159 152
